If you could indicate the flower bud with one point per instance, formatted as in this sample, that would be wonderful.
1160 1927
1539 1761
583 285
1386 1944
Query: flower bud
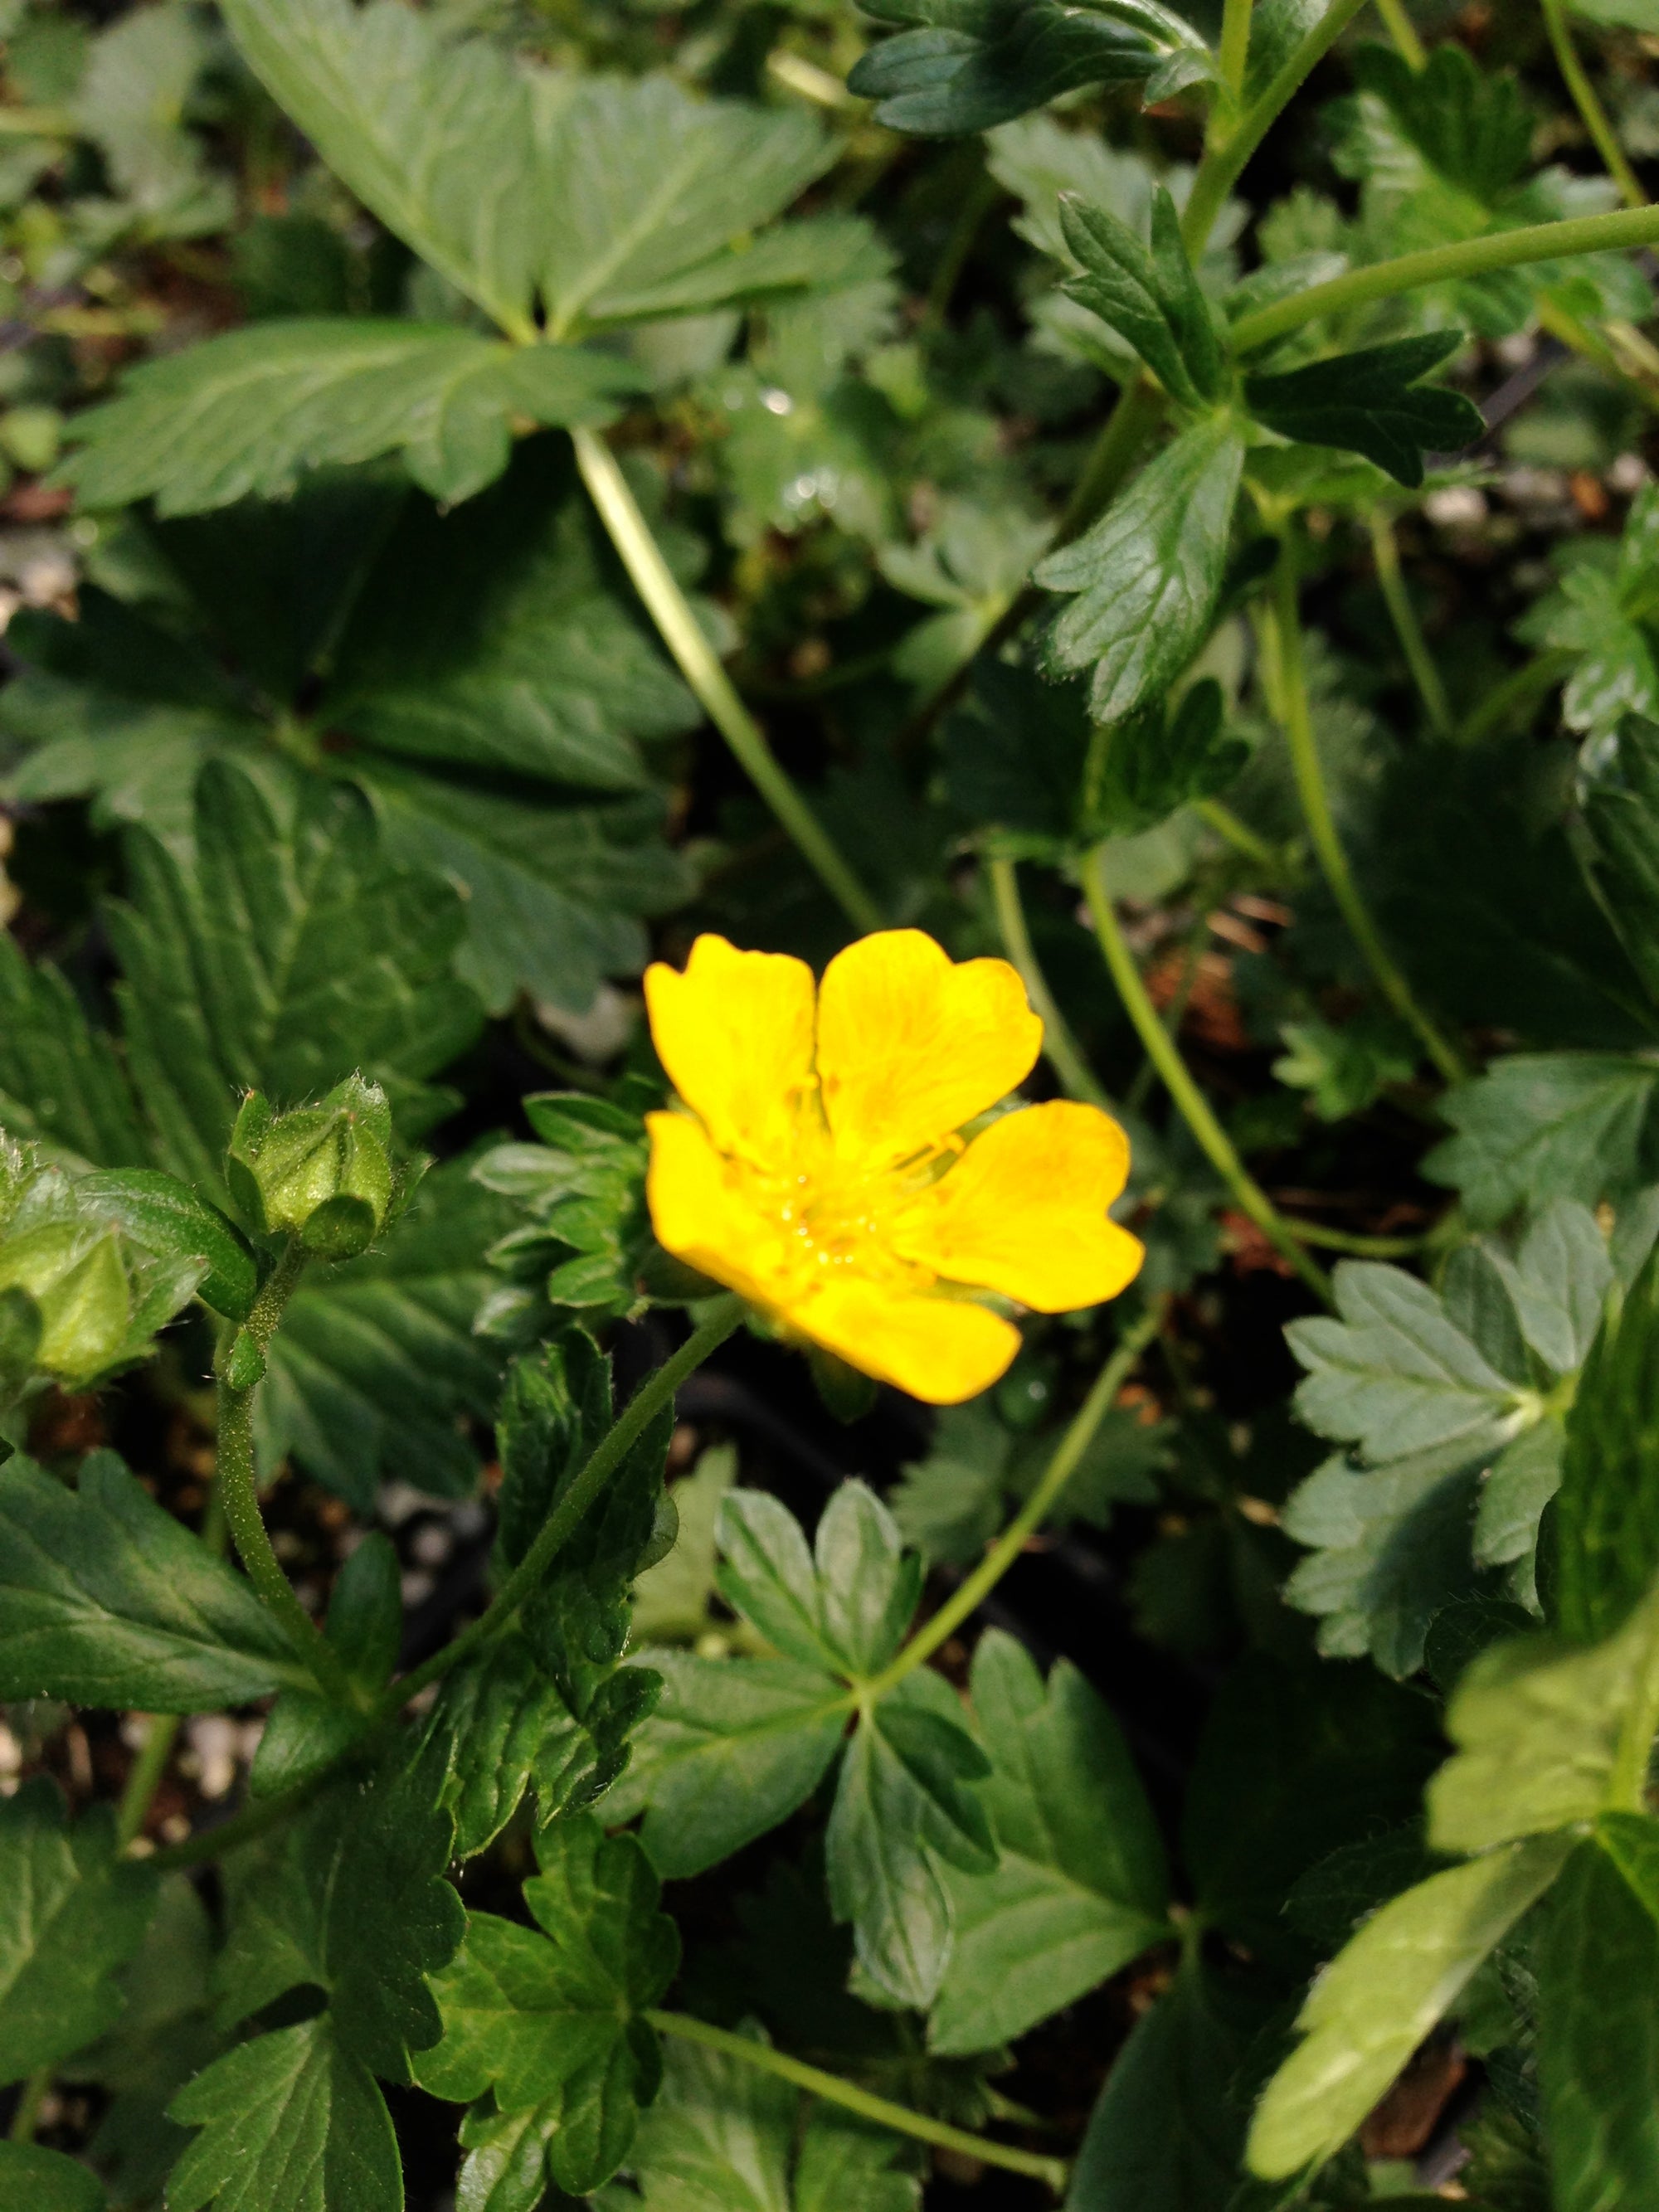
322 1173
73 1273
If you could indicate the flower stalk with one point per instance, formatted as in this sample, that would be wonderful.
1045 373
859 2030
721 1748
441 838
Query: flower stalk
1060 1047
699 664
1194 1109
1385 551
1296 713
1594 116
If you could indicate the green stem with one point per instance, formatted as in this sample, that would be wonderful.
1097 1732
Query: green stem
1213 1141
1139 407
722 1318
1519 694
699 664
1234 52
1058 1043
1172 1015
975 207
1595 115
1239 835
1620 232
238 1489
971 1594
1402 31
1627 1785
1385 551
834 2090
1296 714
144 1777
30 2098
1223 165
1357 1246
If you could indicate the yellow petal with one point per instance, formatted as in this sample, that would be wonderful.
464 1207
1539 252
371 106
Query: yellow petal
911 1044
1024 1211
702 1215
941 1349
735 1034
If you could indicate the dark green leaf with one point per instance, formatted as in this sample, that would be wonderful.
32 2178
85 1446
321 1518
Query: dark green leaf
1151 298
246 414
36 2180
279 958
733 1748
106 1600
1147 575
843 1606
1377 2000
1621 815
1080 1886
553 2020
1166 2133
1608 1512
968 65
904 1802
1293 1762
499 1710
72 1914
1373 403
290 2121
1598 2056
60 1082
1140 771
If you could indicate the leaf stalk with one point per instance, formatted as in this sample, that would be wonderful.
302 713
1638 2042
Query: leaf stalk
697 661
834 2090
1060 1047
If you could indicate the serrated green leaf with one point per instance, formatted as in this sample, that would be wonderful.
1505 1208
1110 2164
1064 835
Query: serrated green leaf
376 1365
1080 1886
164 1217
733 1748
969 65
1147 576
555 2017
1378 1999
246 414
1538 1125
1600 614
106 1600
72 1914
670 1599
723 2136
1598 2049
1392 1373
280 957
1166 2130
60 1081
842 1607
290 2122
904 1802
499 1710
36 2180
1621 817
140 72
1538 1731
1606 1515
1372 402
1149 297
949 1505
1295 1762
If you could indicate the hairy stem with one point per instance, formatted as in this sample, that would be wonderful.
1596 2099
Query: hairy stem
1297 712
971 1594
657 1390
1620 232
1059 1045
1401 29
1194 1109
30 2098
834 2090
699 664
237 1488
1425 675
1594 115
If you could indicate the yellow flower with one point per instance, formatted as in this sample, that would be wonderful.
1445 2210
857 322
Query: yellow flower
818 1170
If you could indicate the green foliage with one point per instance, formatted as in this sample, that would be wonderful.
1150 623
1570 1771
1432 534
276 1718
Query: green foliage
1079 1887
46 2181
1373 401
1608 1544
1151 298
105 1599
554 2020
73 1915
